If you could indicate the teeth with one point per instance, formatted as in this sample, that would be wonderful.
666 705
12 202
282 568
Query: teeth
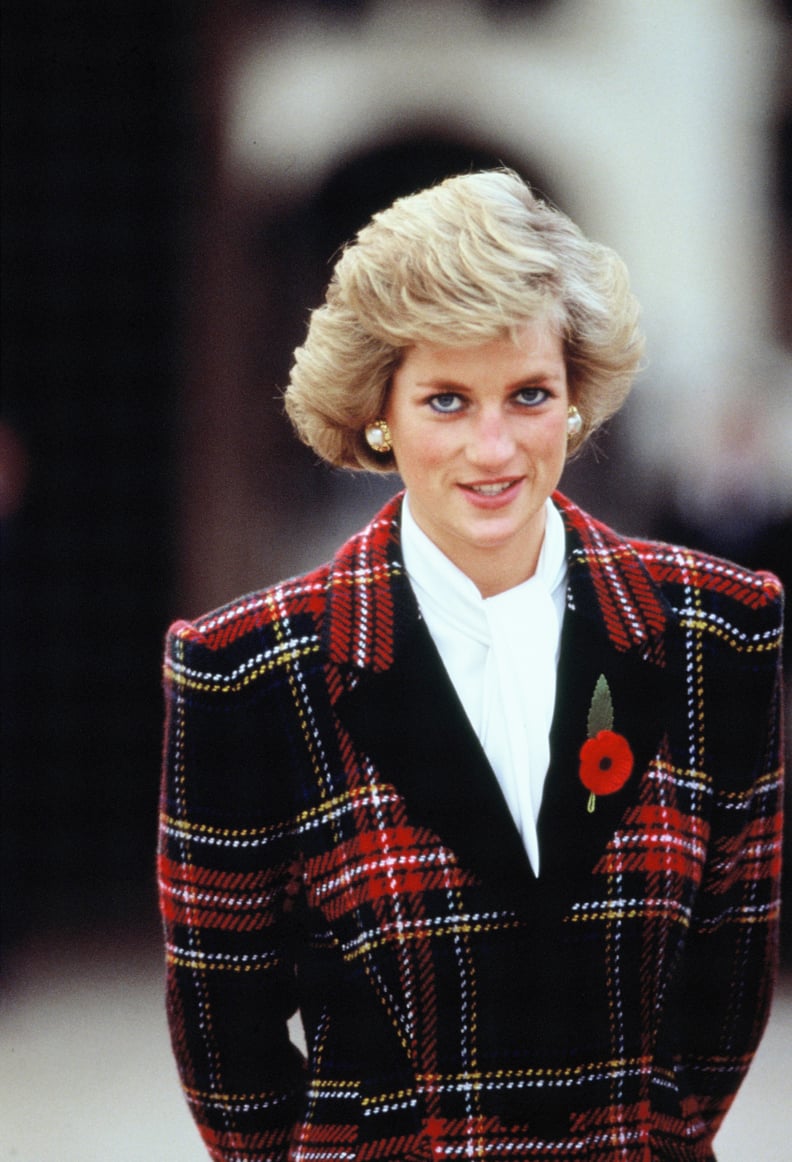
490 489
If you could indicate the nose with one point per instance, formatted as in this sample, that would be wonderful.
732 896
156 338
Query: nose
491 444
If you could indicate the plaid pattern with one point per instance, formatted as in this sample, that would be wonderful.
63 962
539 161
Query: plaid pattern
333 839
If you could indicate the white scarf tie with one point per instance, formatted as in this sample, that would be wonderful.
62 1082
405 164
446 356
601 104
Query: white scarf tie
501 654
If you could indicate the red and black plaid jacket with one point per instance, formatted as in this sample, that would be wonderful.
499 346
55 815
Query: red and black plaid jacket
334 840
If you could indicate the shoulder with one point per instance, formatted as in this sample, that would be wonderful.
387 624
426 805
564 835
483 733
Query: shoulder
268 609
690 584
735 609
242 641
682 571
302 618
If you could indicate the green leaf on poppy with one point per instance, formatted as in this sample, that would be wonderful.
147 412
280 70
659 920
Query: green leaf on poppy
600 716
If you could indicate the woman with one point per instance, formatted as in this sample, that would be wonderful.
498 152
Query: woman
494 797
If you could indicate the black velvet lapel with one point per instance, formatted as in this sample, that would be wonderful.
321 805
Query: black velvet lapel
411 723
409 720
571 839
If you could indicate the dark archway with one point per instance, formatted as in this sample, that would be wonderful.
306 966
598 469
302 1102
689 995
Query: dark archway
370 180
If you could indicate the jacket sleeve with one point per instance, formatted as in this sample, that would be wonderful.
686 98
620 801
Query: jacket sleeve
731 955
228 873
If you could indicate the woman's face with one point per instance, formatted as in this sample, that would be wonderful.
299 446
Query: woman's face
480 436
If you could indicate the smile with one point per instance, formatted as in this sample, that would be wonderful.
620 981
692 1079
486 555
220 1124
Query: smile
490 489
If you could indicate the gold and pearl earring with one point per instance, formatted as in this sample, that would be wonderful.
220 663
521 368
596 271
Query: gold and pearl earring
378 437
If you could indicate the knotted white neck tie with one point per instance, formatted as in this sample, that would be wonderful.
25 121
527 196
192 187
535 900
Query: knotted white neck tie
501 654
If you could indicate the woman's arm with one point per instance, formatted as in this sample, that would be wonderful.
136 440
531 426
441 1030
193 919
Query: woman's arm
731 955
228 872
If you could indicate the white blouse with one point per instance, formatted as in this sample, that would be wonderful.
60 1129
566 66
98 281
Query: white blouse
501 654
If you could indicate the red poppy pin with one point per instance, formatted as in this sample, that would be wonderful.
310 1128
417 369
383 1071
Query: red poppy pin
606 761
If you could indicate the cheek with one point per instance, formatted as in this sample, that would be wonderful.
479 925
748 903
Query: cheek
561 436
435 451
550 447
562 444
421 454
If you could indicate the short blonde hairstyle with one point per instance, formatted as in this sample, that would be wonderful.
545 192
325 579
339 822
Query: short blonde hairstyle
463 262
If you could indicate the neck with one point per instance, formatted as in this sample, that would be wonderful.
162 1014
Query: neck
497 567
492 573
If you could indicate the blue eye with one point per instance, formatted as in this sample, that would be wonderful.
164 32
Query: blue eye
531 396
445 404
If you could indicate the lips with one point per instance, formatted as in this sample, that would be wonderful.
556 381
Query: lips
492 495
490 488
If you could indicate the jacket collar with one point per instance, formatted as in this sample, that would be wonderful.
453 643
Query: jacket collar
398 703
370 603
610 584
371 607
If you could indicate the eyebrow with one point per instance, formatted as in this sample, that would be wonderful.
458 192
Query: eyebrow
530 380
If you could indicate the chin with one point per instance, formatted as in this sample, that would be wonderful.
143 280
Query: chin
495 538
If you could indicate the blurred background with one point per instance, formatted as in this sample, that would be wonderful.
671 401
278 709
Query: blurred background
176 179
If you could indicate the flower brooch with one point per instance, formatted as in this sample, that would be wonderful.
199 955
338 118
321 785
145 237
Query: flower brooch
606 761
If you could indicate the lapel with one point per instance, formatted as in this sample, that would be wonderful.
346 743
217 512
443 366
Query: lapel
402 710
410 722
617 624
399 706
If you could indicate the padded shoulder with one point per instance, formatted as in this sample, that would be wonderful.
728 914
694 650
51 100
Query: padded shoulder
694 581
238 643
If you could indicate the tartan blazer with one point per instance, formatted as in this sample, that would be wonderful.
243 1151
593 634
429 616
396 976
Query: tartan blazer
334 840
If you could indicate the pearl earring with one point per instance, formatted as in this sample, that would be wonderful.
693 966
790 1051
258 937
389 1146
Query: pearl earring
574 422
378 437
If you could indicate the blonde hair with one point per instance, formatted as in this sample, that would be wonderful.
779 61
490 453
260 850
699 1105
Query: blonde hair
460 263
